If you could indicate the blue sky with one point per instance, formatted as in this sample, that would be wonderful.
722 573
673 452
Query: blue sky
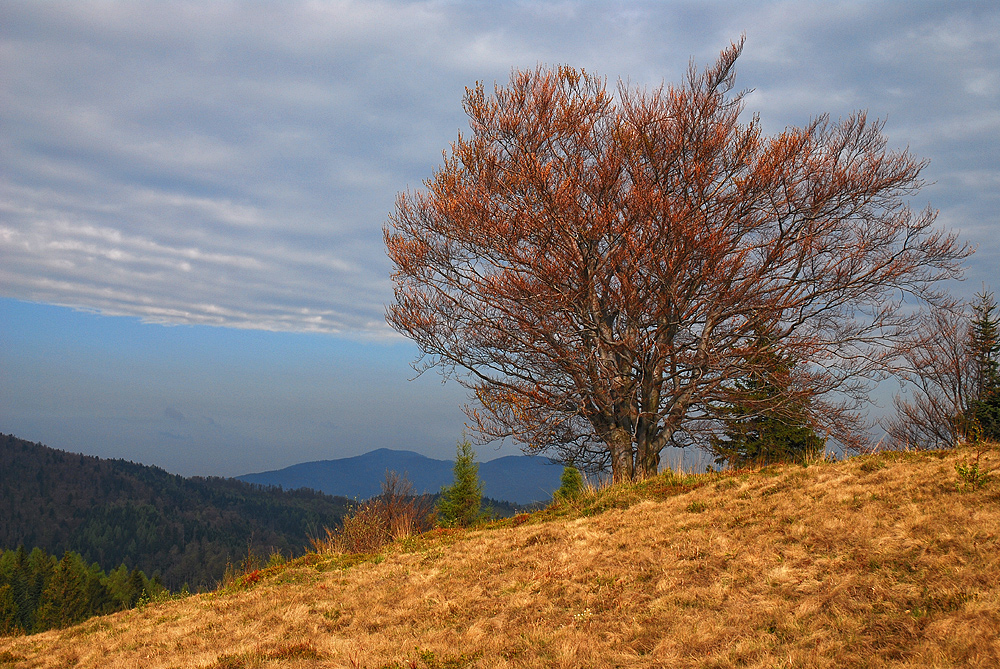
201 187
213 400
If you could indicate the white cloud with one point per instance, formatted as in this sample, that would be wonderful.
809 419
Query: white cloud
233 163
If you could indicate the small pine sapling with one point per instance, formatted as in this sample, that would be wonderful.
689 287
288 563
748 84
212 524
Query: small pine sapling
571 485
460 504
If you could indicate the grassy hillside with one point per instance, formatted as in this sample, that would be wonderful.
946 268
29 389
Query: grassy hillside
877 561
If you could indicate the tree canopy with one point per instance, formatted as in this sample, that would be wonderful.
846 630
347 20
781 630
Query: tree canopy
593 264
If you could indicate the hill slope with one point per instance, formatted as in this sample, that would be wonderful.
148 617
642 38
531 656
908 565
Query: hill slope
877 561
114 512
514 478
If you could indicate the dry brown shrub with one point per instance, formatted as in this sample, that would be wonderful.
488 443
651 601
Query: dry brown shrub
408 512
395 514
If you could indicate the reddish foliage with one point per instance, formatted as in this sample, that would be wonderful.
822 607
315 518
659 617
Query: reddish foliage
595 265
252 577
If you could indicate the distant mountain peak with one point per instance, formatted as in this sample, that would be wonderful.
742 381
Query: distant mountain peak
521 479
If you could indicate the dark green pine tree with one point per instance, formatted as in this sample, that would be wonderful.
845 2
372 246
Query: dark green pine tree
762 425
9 622
40 567
99 599
20 582
64 600
136 587
460 504
984 408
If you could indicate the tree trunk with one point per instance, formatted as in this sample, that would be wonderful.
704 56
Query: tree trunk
647 447
648 463
622 462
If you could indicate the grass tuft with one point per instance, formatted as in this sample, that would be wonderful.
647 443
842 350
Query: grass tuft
8 658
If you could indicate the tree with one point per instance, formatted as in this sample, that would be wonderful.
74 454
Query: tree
591 264
762 427
984 345
407 512
950 371
461 503
937 371
570 485
64 600
136 588
8 610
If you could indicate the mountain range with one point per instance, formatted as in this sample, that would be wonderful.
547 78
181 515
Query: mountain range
520 479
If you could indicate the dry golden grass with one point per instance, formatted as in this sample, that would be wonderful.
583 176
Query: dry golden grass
878 561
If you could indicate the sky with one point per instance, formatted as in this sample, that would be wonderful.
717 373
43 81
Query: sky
192 194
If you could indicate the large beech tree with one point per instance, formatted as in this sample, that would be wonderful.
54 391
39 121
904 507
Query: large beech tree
594 264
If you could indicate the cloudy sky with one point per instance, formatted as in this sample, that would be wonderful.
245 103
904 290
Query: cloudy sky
192 194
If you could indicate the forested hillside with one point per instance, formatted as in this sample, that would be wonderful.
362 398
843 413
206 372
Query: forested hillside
38 591
115 512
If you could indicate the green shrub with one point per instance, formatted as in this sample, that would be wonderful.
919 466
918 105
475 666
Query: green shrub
571 485
971 477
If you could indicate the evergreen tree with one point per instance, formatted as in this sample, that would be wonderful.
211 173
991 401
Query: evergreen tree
461 503
37 592
99 599
64 600
117 584
136 587
570 485
40 568
762 426
8 610
21 581
984 345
